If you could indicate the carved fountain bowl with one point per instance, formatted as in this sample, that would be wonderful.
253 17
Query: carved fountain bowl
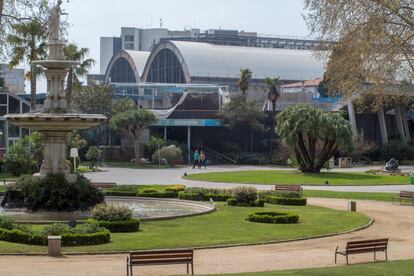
56 121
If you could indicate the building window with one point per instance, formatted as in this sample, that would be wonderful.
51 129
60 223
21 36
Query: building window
129 38
121 71
166 68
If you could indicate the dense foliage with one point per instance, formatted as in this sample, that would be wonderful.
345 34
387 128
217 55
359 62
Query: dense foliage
273 217
111 212
53 193
168 155
94 155
314 134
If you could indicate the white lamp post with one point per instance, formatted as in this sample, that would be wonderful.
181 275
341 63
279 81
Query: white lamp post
74 154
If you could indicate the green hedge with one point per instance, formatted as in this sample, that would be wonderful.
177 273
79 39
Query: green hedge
203 197
286 201
256 203
120 226
120 193
158 194
273 217
68 239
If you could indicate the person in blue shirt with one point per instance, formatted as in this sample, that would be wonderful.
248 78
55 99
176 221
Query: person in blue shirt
196 159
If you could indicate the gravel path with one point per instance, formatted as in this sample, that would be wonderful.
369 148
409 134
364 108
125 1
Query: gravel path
394 222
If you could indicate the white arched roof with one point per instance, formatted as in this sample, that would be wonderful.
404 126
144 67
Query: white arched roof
209 60
136 59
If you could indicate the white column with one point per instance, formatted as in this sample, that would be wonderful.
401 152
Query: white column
352 119
405 124
398 118
165 133
382 126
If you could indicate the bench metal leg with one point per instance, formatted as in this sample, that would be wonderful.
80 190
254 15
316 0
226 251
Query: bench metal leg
192 268
130 270
127 268
347 259
336 252
375 255
188 269
386 255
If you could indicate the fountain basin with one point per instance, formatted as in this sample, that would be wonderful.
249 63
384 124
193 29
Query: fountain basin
143 208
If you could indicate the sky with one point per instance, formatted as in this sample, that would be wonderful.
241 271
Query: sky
91 19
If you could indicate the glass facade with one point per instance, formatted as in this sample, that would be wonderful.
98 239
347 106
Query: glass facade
122 72
166 68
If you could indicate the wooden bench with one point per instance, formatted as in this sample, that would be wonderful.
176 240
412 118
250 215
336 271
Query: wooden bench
406 195
364 246
289 188
161 257
104 185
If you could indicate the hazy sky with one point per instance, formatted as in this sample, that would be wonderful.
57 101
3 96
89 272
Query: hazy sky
91 19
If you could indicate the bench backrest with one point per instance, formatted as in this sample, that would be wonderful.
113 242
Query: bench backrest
104 185
290 188
407 194
366 246
161 257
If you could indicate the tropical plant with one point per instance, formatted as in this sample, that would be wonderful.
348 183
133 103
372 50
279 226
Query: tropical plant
28 45
19 159
94 155
243 82
133 123
315 135
73 52
153 145
273 94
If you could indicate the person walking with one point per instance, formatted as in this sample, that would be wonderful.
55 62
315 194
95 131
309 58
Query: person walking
196 159
203 159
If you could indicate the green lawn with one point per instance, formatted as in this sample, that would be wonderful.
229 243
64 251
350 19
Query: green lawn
400 268
350 195
129 165
294 177
225 226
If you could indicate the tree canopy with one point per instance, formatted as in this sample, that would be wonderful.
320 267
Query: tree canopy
314 134
373 40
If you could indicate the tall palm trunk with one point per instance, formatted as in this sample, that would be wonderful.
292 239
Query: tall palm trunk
69 87
137 150
273 128
33 88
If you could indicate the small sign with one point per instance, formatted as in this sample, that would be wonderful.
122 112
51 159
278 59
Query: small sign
74 153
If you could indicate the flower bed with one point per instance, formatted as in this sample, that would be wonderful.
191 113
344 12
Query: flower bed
273 217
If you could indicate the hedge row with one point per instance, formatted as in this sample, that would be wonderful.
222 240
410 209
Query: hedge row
256 203
120 226
203 197
120 193
286 201
69 239
273 217
165 194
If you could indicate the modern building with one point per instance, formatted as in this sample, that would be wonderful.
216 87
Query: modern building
14 79
307 86
109 46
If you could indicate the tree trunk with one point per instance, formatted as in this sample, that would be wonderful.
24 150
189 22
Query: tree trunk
251 139
137 150
273 129
33 90
1 11
69 86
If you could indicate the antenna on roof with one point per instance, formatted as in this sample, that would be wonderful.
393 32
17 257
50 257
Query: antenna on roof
161 22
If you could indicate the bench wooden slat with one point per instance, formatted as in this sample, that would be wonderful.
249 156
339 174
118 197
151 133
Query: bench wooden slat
292 188
163 256
104 185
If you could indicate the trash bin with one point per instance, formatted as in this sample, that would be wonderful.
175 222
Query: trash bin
352 206
54 246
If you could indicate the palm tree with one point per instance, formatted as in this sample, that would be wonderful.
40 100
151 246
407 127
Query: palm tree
73 52
273 94
243 82
28 45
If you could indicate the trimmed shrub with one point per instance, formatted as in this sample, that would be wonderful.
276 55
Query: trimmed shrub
53 193
273 217
286 201
175 188
111 212
74 239
244 195
192 196
158 194
169 154
288 194
6 222
256 203
120 226
149 191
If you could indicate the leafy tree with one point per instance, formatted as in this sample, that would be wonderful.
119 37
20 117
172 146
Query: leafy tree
133 123
273 94
315 135
94 155
153 145
168 154
243 82
122 105
94 100
28 45
373 40
19 159
73 52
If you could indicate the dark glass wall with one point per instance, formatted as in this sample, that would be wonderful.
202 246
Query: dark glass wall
166 68
121 71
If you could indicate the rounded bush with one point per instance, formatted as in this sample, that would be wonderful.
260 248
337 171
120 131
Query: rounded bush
120 226
175 188
273 217
244 195
256 203
111 212
286 201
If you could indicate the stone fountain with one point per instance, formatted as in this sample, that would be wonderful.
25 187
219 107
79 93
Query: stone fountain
55 121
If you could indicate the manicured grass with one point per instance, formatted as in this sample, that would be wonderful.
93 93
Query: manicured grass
130 165
225 226
400 268
350 195
295 177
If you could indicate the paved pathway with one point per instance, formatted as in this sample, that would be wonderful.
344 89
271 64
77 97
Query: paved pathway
394 222
174 176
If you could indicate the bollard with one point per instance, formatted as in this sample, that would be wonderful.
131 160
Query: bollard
54 246
352 206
